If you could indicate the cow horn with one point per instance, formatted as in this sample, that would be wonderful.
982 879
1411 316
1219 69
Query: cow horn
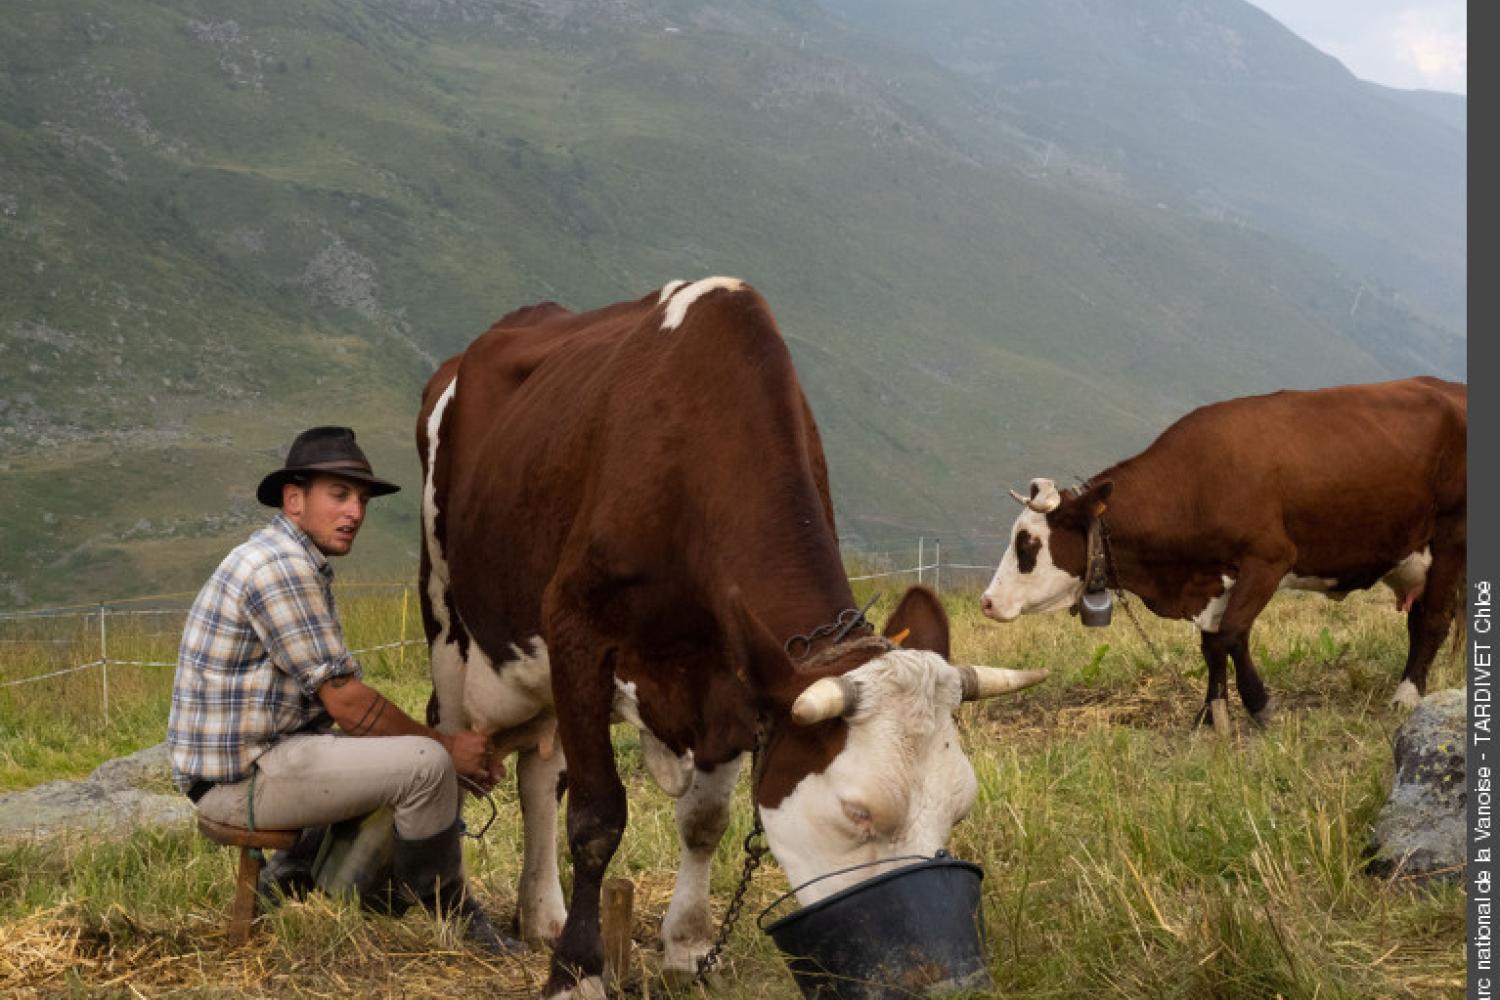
1018 498
1044 496
987 682
827 698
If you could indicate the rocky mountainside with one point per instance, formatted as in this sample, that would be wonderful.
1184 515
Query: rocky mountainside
220 223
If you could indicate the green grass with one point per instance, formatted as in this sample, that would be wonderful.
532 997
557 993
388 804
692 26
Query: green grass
1124 854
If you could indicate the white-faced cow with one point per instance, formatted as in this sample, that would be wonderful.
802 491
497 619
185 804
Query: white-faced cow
626 514
1331 490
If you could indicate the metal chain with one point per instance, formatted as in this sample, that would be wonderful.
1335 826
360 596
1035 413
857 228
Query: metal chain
848 620
1109 559
754 852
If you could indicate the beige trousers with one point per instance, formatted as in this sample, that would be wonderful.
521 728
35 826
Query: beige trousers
319 778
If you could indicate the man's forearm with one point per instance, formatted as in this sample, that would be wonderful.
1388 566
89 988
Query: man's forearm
360 710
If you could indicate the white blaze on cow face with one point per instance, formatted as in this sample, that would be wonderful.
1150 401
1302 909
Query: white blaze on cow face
897 787
668 290
1027 581
682 299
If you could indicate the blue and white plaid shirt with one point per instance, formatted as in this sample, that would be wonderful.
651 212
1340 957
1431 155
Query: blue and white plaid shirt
261 638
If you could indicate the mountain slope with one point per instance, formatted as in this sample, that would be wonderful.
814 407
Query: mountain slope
222 224
1213 107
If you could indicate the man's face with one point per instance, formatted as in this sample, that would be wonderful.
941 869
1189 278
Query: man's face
329 509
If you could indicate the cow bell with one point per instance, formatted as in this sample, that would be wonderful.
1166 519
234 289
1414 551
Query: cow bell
1095 607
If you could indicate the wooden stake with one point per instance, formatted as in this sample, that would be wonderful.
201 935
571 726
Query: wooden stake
615 922
1219 710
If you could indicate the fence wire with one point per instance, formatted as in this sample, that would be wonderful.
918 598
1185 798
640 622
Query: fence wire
29 630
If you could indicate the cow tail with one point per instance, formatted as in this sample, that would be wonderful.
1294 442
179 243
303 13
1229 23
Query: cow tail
1460 626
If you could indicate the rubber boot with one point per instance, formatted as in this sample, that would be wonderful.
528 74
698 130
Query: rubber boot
430 871
289 874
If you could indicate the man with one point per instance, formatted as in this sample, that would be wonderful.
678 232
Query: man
263 673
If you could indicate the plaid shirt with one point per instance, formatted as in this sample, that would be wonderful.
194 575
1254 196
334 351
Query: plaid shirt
261 638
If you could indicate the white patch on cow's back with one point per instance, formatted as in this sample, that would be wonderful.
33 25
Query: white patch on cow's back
669 289
1409 576
1213 612
682 300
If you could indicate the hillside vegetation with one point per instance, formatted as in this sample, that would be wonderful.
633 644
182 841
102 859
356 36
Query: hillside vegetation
221 223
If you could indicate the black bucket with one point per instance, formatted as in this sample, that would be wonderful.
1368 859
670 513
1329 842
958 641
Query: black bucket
914 932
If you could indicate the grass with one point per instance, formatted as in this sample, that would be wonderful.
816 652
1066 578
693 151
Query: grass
1124 854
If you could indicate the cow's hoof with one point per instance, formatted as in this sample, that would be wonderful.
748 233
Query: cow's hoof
591 988
542 929
680 964
1406 694
1264 716
679 980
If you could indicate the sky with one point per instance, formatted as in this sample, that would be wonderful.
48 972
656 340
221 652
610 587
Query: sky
1411 44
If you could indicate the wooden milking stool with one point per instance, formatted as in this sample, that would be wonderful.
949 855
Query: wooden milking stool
251 844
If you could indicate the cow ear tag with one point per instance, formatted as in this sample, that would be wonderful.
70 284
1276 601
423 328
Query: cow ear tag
900 636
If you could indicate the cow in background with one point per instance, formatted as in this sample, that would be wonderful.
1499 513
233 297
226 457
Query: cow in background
1330 490
626 514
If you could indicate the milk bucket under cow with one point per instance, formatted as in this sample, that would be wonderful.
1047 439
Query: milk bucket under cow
917 931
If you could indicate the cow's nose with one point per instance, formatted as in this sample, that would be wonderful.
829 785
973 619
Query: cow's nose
988 606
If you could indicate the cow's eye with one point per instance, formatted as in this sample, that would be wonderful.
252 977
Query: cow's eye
859 817
1027 547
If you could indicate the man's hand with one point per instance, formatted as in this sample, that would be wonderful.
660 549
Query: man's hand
360 710
471 756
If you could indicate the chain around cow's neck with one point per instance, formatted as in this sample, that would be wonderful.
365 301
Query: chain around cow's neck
1114 576
755 850
848 620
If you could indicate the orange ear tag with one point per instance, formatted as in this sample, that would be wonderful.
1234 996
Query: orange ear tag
900 637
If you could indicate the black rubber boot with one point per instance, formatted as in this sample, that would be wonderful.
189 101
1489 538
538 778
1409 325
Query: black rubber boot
430 872
289 874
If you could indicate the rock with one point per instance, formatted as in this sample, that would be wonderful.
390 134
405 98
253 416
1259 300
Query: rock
1420 830
110 801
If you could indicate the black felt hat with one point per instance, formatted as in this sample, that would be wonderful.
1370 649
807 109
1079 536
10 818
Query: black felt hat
323 449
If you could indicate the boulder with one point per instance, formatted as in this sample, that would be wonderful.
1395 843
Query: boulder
121 795
1420 830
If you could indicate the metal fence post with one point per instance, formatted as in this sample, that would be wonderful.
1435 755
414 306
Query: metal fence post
921 556
937 565
104 662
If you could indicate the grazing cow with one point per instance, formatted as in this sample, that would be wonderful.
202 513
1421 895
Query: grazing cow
626 514
1330 490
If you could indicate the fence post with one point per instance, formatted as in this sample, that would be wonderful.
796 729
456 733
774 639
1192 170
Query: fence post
401 649
937 565
921 556
104 662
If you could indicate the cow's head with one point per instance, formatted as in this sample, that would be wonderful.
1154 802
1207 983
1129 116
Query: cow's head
867 764
1044 567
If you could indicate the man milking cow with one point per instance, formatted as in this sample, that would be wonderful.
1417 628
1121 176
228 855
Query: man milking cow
263 675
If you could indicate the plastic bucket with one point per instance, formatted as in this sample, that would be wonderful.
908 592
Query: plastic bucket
917 931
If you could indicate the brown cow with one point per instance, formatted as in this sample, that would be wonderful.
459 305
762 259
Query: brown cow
1330 490
626 515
